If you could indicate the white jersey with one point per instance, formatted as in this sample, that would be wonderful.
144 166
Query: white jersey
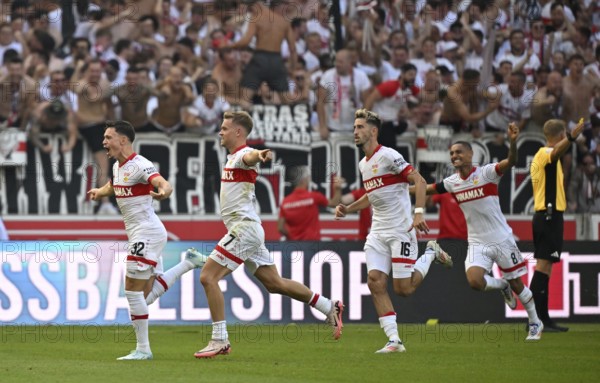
237 189
131 183
510 108
477 196
385 180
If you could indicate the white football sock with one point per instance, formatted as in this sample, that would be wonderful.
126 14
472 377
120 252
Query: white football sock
321 303
163 282
138 309
424 262
492 283
389 326
526 298
219 331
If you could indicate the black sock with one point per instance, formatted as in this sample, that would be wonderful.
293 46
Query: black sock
539 288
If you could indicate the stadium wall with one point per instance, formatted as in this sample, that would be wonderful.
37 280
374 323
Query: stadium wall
81 282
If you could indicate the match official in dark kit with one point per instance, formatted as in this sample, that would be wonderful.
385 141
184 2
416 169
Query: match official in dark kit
550 203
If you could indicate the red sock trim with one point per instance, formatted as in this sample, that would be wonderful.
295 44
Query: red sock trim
388 314
138 317
162 282
314 300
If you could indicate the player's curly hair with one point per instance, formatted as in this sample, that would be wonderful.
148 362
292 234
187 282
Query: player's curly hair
240 118
372 118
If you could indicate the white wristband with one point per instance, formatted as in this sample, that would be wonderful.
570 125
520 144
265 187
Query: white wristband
419 210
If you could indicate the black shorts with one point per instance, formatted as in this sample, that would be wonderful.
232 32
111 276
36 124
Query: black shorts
93 136
266 66
548 235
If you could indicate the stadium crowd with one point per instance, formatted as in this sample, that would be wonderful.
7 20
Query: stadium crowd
174 66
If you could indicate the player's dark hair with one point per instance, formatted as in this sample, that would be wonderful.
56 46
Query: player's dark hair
123 128
465 144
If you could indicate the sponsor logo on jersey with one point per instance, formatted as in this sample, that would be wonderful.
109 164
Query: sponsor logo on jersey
239 175
476 193
150 170
123 192
228 175
140 189
469 195
373 183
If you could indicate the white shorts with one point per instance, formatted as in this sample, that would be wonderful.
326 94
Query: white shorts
144 256
506 254
398 251
244 243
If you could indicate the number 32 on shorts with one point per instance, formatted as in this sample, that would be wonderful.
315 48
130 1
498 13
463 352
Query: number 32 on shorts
137 249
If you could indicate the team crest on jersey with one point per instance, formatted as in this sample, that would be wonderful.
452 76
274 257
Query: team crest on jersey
374 168
475 180
126 176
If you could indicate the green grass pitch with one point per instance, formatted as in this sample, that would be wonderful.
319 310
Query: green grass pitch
301 353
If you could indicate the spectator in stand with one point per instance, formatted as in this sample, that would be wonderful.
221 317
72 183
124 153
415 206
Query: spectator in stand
8 41
320 24
57 89
584 188
541 79
299 212
298 31
503 72
429 60
342 90
173 95
547 103
521 57
228 75
514 105
578 91
391 70
53 117
559 62
94 108
300 86
389 100
17 103
592 70
364 215
133 97
125 53
204 115
461 106
313 51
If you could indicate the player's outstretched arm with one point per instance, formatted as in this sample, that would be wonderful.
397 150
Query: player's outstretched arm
163 188
563 145
511 160
97 194
256 156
